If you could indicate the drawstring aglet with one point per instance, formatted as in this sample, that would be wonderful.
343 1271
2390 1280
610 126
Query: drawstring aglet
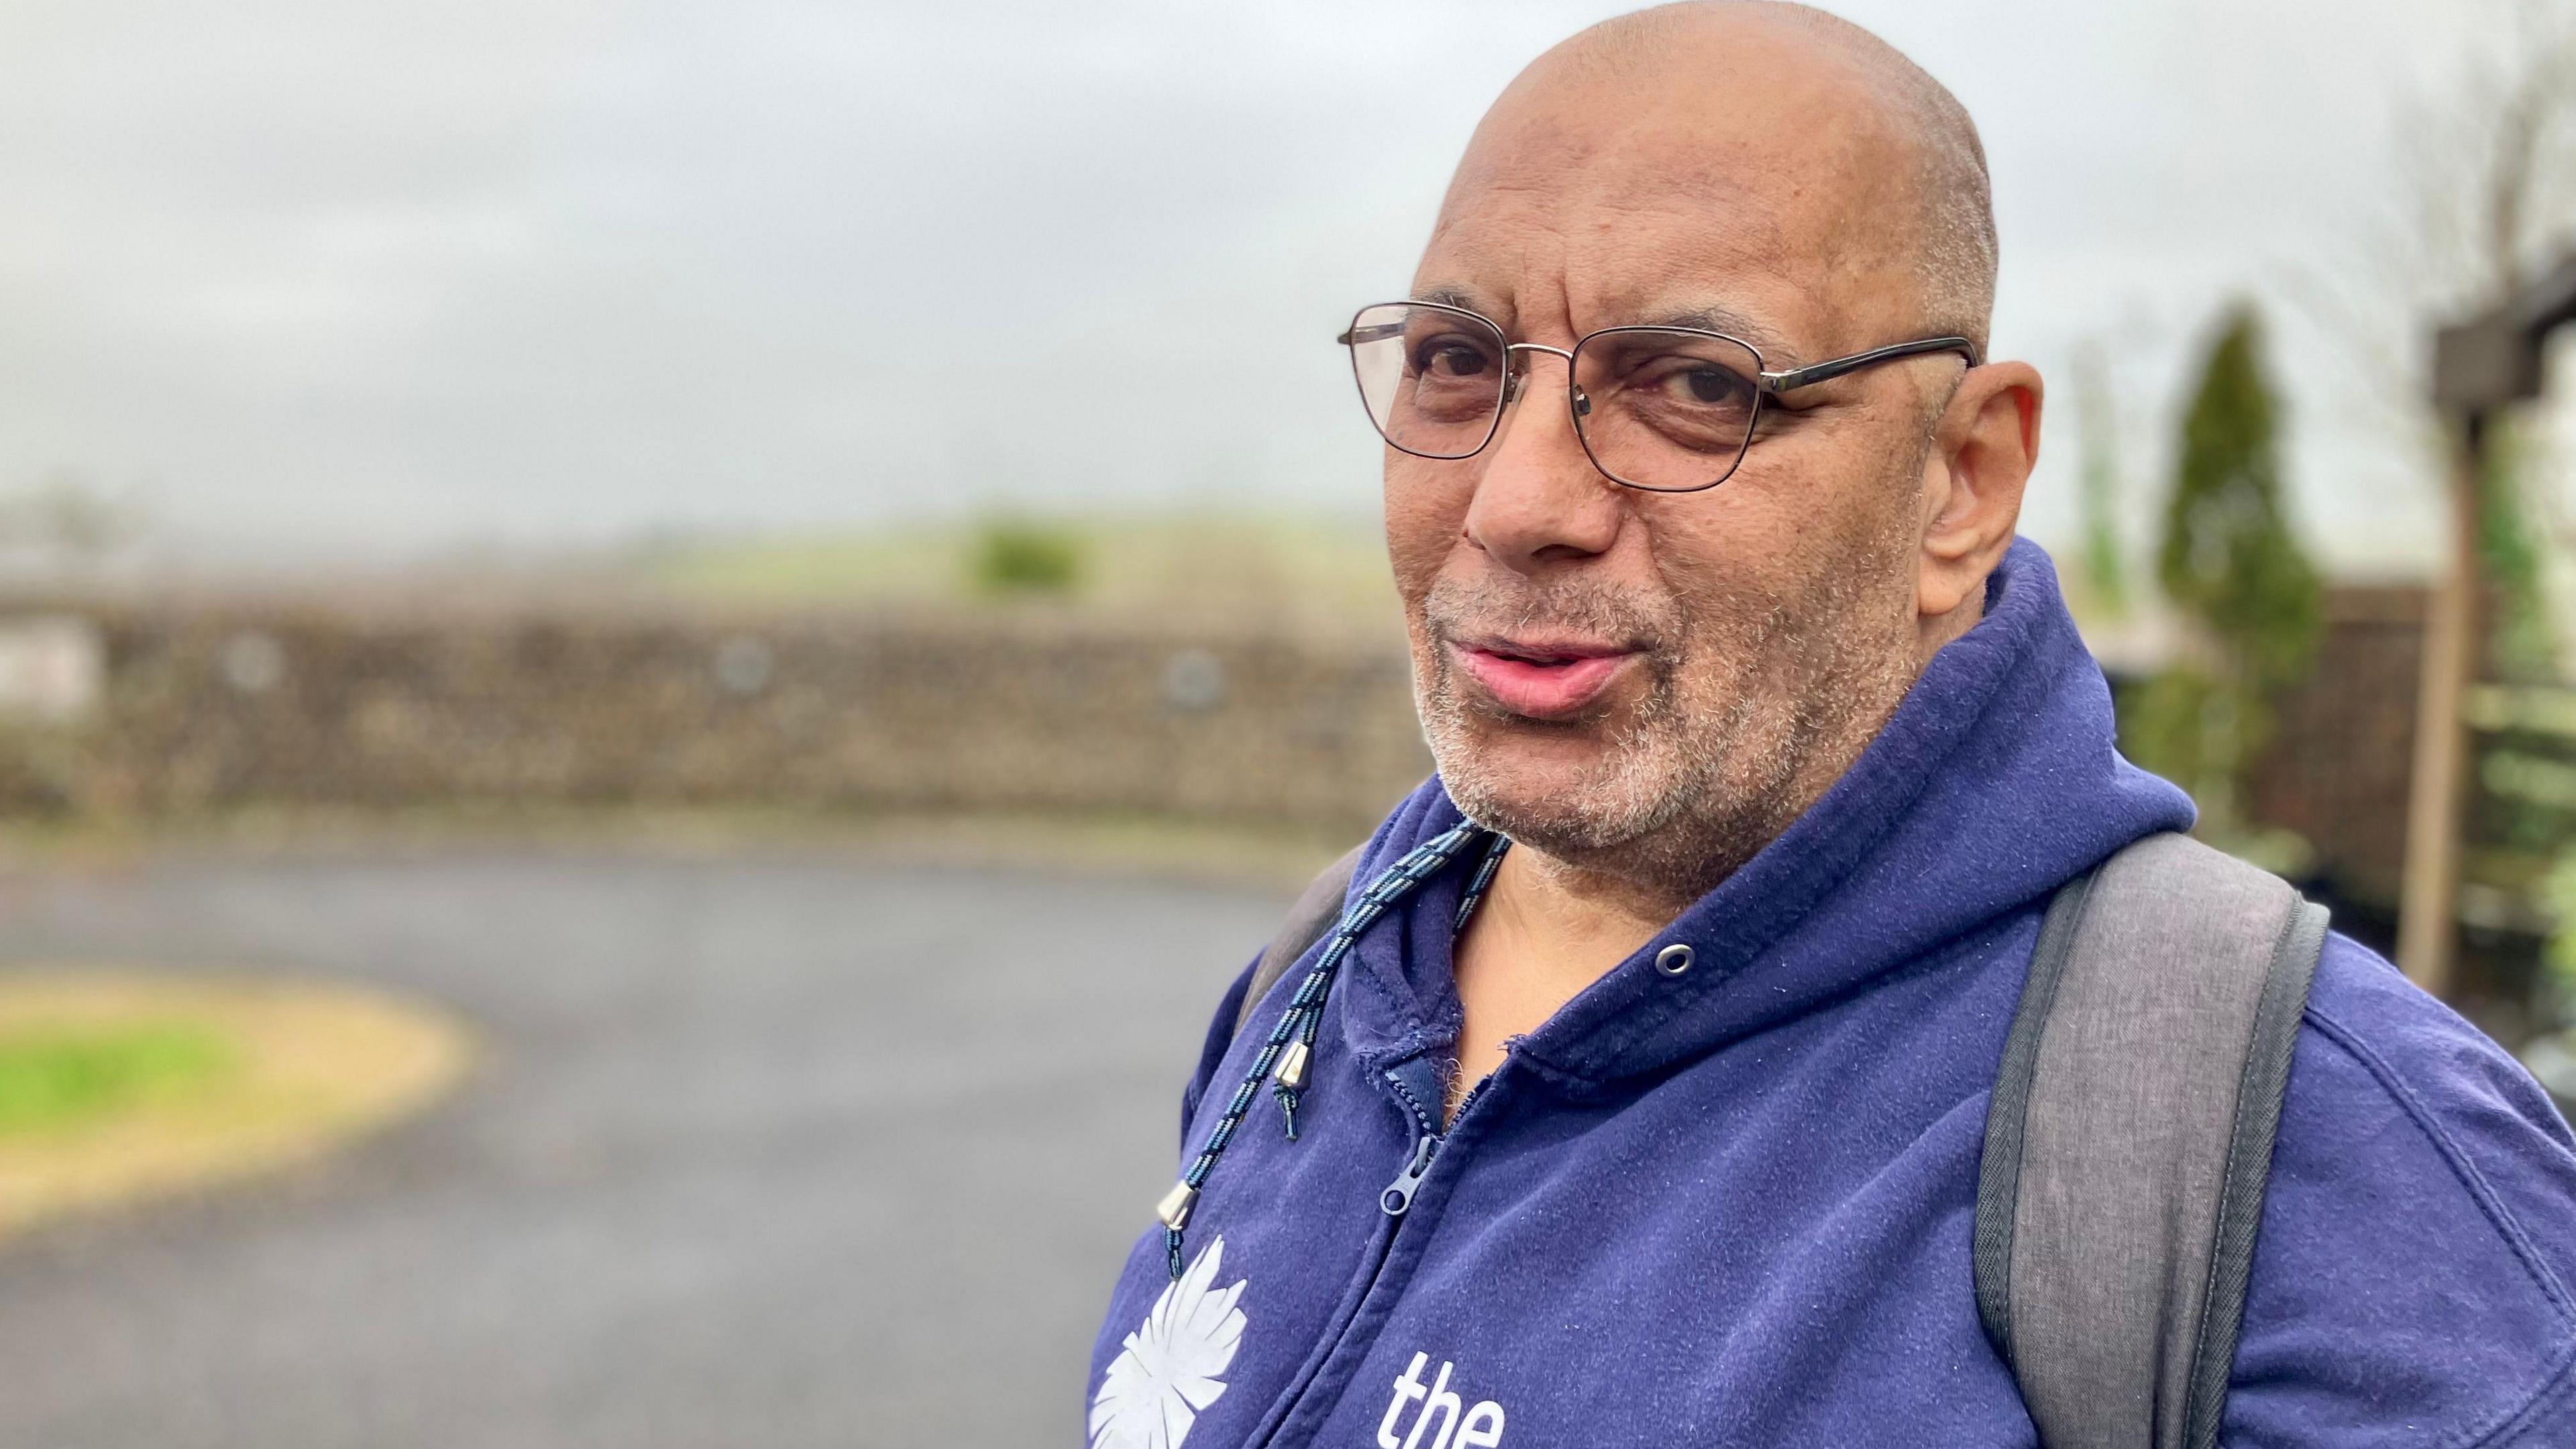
1287 1078
1291 1072
1174 1214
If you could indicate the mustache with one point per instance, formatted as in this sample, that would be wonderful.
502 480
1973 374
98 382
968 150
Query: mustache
1485 607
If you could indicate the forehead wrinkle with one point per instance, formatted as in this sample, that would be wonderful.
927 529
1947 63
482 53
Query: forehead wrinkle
1654 231
1718 317
1604 263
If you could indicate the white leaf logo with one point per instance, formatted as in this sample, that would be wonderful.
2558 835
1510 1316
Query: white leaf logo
1171 1366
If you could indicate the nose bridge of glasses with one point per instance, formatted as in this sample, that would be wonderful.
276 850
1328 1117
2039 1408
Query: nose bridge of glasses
1518 370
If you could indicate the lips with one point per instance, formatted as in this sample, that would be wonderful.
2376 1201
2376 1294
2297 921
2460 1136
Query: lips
1542 679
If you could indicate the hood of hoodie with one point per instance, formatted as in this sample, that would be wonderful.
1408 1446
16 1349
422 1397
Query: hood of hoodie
1734 1206
1995 781
1769 1158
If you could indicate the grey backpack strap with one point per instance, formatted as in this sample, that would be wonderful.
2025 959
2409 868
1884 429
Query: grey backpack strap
1317 907
2130 1139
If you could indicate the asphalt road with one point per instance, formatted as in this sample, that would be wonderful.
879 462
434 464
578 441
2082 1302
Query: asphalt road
770 1151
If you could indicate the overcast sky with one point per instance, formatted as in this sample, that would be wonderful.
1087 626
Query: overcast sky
400 275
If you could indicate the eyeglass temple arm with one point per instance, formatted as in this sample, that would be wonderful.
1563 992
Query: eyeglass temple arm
1797 377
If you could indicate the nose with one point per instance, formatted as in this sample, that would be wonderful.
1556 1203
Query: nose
1539 503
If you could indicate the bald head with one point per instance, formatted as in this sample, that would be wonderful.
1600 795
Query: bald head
1648 685
1892 161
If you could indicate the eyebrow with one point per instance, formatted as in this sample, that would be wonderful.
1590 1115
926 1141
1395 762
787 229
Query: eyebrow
1450 297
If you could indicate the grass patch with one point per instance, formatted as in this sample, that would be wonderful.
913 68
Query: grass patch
117 1085
57 1078
1015 556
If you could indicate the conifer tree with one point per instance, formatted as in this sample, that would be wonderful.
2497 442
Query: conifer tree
2231 564
2229 558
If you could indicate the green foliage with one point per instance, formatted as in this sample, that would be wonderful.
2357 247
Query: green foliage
2513 557
2168 725
2229 559
66 1076
2106 570
2558 896
1019 557
2231 564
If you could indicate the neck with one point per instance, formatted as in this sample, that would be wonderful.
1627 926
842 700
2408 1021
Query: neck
1569 923
1546 931
1594 901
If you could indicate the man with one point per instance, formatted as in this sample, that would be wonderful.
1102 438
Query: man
1676 1139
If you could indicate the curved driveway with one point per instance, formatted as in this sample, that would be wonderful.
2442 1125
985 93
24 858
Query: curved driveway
774 1151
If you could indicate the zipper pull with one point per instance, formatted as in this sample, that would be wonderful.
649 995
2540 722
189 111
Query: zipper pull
1399 1193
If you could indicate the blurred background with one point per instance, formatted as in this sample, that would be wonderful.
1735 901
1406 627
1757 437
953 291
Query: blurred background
656 594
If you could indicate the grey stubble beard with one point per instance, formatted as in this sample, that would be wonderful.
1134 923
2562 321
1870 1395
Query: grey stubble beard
1752 708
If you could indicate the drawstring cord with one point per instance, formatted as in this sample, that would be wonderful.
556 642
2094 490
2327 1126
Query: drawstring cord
1477 883
1284 1057
1288 1080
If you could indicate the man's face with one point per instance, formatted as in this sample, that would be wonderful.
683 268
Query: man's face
1646 682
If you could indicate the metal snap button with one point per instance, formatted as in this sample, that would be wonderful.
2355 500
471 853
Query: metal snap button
1673 960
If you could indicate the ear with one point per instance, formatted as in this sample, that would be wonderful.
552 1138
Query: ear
1982 453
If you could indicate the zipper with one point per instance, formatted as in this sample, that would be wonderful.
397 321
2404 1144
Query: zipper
1394 1201
1399 1193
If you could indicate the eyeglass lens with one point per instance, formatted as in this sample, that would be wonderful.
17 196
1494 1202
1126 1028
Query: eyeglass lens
1657 408
1432 378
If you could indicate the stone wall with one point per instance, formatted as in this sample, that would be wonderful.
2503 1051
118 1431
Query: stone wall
209 707
221 704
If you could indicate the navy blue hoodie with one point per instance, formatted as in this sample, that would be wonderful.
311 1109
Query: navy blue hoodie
1732 1207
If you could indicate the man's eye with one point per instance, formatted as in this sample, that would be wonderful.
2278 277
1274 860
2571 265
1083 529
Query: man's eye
1707 385
1451 359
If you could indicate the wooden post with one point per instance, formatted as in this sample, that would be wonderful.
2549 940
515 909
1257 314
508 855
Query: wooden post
2480 365
2428 915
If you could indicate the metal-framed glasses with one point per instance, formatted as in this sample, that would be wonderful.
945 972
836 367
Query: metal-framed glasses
1665 409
